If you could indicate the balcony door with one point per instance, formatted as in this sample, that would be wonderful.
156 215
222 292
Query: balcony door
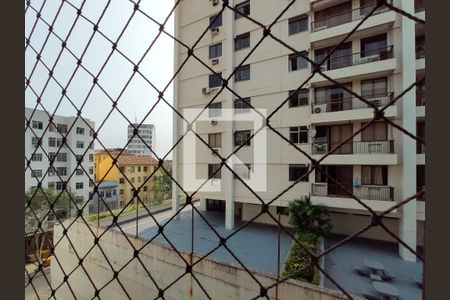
338 134
344 176
374 45
341 57
376 131
335 97
333 16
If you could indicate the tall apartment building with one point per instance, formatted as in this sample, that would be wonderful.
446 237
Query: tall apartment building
381 165
65 161
146 134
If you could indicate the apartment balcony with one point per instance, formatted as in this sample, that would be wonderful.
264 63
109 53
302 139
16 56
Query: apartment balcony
420 56
356 153
379 198
379 61
341 24
420 160
350 108
420 103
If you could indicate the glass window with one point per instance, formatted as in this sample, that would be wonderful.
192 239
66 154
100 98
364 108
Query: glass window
298 98
51 127
213 168
241 137
36 157
80 144
298 134
242 105
79 185
215 50
215 80
36 124
242 73
79 172
80 130
61 157
61 171
242 41
374 175
373 45
215 109
215 22
36 173
297 171
35 141
372 87
243 8
298 24
62 128
297 62
215 140
376 131
242 171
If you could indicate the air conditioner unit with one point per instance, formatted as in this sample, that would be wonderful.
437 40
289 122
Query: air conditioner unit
214 61
215 30
213 122
319 108
214 2
206 90
320 148
366 59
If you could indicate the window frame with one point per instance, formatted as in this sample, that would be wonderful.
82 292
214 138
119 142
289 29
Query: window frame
215 140
215 111
37 124
298 19
241 105
242 41
298 61
295 100
299 133
218 20
241 71
237 133
211 169
215 50
292 174
245 6
212 78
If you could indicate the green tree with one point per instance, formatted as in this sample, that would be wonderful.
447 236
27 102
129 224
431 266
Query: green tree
40 218
309 221
162 186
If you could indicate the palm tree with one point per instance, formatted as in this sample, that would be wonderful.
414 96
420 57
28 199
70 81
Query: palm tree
309 220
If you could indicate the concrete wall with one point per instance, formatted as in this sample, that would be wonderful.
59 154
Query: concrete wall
221 281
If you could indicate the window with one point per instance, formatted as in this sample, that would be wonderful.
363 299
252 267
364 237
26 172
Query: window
132 170
241 137
34 141
339 58
121 192
215 109
373 45
297 171
298 98
420 133
376 131
36 157
145 188
51 171
213 168
36 173
282 210
80 144
298 24
121 180
62 128
242 171
335 98
60 185
91 170
51 127
242 73
79 185
79 157
145 168
108 194
51 185
91 157
139 178
243 8
61 157
374 175
91 184
333 16
36 124
139 168
242 105
215 50
79 172
215 22
59 142
132 179
215 140
297 62
113 192
242 41
61 171
298 134
372 87
215 80
91 132
145 178
80 130
51 156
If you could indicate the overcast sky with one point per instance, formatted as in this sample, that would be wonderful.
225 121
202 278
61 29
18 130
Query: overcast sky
139 96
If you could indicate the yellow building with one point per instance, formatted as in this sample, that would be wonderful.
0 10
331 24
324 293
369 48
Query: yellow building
130 171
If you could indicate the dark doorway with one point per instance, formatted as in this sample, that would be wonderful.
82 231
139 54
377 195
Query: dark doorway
215 205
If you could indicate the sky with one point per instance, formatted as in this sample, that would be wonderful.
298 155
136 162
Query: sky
139 96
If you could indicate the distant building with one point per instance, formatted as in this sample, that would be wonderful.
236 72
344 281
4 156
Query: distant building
107 195
146 134
131 172
40 140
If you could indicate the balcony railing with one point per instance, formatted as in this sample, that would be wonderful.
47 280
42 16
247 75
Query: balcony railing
345 17
349 103
420 50
419 5
355 147
420 98
357 58
365 192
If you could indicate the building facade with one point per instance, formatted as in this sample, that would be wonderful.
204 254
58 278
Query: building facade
42 141
107 197
138 144
383 57
130 172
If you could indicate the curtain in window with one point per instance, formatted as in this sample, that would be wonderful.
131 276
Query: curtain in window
377 175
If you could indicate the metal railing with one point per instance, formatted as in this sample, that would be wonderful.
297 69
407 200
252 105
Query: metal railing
354 147
358 58
346 17
365 192
349 103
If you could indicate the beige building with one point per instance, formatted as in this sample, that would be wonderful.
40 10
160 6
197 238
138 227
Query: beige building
382 166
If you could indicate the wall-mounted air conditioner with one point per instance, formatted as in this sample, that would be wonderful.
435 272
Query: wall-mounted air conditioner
319 108
320 148
214 61
366 59
214 30
206 91
213 122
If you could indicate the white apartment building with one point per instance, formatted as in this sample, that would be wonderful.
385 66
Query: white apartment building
65 162
146 134
382 166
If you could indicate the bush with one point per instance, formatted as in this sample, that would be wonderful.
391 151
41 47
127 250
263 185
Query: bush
299 262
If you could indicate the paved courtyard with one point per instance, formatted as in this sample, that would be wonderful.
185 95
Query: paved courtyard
255 245
339 264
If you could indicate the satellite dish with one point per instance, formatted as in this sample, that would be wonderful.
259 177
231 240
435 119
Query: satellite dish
313 131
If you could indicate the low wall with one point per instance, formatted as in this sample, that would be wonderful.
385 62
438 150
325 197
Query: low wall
221 281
